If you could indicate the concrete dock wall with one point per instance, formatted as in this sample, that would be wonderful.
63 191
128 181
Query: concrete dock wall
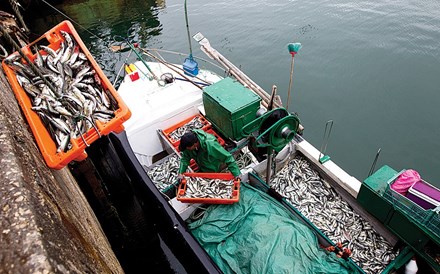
46 224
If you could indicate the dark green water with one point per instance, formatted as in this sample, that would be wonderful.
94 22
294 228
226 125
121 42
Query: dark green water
373 67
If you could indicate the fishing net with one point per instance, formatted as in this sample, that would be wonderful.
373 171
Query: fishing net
258 235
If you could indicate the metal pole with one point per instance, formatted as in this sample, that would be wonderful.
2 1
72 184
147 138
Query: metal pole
189 36
269 164
241 77
373 166
290 85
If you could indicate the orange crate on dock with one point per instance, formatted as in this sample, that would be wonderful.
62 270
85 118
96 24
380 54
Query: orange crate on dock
57 160
175 143
222 176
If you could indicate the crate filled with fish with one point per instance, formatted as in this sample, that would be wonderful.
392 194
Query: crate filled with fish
164 172
208 130
244 158
175 132
209 188
301 185
66 98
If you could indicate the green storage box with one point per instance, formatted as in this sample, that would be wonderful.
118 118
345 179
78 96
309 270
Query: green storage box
408 230
371 194
229 106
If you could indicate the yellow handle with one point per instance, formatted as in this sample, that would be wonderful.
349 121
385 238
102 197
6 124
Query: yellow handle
130 68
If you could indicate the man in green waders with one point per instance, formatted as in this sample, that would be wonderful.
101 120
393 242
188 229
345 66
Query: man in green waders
209 155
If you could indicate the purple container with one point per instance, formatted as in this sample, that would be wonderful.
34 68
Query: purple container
424 194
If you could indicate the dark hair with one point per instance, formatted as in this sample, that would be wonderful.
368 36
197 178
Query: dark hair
188 139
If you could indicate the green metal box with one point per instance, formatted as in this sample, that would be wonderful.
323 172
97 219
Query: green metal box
371 194
400 215
408 230
229 106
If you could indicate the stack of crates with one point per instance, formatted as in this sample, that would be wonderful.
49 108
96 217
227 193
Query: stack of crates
206 126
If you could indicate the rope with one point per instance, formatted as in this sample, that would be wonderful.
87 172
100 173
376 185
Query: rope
32 66
65 15
3 52
14 6
168 64
170 67
122 67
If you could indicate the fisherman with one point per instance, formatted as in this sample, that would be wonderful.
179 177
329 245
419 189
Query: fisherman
209 155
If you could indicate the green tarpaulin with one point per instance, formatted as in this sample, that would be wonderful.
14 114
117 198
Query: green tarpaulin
258 235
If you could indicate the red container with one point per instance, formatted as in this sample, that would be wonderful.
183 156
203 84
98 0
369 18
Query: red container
193 165
207 130
219 139
223 176
134 76
47 146
176 143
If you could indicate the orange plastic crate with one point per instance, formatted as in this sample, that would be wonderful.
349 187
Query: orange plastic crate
176 143
223 176
207 130
47 146
219 139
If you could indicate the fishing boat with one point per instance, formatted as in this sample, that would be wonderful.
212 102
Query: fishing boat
295 210
364 218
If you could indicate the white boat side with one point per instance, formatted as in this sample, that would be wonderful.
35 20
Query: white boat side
155 107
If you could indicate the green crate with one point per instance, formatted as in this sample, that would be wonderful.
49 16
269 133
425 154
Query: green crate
408 230
432 222
229 106
372 189
425 218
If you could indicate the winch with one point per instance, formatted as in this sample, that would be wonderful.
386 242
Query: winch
272 130
275 129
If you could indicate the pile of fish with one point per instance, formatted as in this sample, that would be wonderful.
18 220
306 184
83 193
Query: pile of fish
165 172
243 159
197 187
317 200
67 93
196 123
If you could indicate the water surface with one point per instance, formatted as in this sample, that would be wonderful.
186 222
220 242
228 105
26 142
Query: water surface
373 67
